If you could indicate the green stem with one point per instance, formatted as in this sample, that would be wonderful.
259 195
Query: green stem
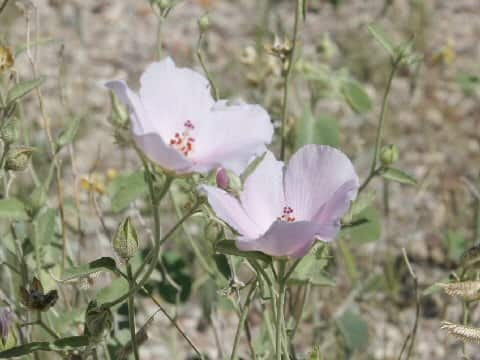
4 4
286 78
280 310
192 242
131 312
378 139
243 317
155 200
477 221
466 315
215 93
154 262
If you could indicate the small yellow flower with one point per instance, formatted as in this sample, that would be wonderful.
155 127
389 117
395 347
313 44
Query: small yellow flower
92 184
446 55
6 58
111 174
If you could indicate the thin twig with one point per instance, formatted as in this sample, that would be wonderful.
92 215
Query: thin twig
243 317
286 78
3 6
410 339
48 131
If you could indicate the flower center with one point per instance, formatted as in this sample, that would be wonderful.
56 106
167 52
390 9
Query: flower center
287 214
184 142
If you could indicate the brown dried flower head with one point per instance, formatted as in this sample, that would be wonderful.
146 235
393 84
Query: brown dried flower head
469 290
6 58
465 333
35 298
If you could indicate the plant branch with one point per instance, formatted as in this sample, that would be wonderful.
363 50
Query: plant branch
131 312
243 317
286 78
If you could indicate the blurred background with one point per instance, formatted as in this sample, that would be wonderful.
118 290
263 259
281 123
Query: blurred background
433 118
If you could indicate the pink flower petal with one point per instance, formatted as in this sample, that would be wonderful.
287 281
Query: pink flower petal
263 197
286 239
173 95
138 116
232 135
313 175
228 209
167 157
332 211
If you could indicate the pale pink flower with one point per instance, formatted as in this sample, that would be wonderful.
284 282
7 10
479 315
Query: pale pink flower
282 211
178 124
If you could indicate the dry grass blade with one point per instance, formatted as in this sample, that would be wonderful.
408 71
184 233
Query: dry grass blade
465 333
469 290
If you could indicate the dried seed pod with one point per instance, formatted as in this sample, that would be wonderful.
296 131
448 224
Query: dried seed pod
469 290
465 333
18 157
98 321
35 298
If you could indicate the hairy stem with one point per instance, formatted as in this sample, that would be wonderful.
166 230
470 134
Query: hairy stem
243 317
131 312
286 78
280 310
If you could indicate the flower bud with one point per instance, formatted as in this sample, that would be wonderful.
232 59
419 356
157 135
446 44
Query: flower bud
162 4
98 321
389 155
119 113
17 158
9 133
204 23
125 242
222 179
213 231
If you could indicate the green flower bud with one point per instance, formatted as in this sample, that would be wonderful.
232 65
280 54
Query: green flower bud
9 132
162 4
389 155
18 157
213 231
119 112
98 321
125 242
204 23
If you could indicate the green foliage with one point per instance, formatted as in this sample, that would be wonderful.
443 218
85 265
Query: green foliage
178 272
23 88
125 189
103 264
323 130
367 231
229 247
356 96
468 83
456 245
13 209
399 176
65 344
68 134
354 330
383 39
311 268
